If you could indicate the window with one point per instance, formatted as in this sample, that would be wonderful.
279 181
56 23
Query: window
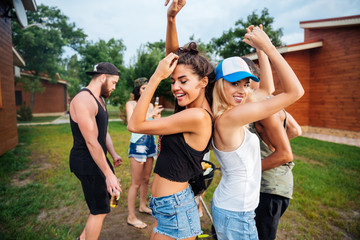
18 98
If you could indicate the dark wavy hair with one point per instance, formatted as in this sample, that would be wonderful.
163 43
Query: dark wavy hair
189 55
254 69
136 92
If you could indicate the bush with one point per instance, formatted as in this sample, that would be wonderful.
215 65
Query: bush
25 113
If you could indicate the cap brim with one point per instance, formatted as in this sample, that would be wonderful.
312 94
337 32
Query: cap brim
237 76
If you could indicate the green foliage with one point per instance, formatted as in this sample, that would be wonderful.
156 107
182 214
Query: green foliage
71 75
101 51
24 113
145 64
230 43
42 48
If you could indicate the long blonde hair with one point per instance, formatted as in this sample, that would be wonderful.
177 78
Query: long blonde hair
220 103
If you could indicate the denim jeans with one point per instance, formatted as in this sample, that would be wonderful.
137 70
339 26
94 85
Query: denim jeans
233 225
177 215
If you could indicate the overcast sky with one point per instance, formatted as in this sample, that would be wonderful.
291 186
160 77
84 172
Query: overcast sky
137 22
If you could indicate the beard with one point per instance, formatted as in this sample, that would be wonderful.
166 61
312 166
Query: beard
105 93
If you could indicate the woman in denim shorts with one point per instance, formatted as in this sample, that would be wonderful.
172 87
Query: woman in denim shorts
142 151
185 138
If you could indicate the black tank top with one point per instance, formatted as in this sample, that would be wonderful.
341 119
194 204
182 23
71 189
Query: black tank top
81 161
177 161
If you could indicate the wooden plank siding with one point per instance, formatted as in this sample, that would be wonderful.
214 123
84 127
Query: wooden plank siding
8 127
335 78
52 100
299 62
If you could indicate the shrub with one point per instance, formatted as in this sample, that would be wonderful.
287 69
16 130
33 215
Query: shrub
25 113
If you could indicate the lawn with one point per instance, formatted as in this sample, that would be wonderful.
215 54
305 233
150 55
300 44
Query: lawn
41 199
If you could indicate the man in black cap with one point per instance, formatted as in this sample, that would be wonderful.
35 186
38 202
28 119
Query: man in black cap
88 161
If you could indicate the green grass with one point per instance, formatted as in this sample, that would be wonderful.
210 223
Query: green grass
41 199
40 119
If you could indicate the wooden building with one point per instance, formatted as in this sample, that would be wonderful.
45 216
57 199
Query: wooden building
52 101
327 64
8 59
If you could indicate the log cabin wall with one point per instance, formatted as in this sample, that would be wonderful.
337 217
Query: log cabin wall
335 78
8 127
53 100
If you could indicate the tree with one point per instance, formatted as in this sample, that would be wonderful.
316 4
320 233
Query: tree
230 43
101 51
145 64
42 48
71 74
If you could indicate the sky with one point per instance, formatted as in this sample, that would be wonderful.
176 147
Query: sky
137 22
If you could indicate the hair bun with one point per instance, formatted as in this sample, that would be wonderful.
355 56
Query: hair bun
190 48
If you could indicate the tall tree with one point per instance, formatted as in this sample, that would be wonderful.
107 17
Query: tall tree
105 51
147 59
42 48
230 43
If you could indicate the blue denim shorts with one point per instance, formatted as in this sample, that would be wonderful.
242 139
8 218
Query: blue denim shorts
233 225
177 215
144 148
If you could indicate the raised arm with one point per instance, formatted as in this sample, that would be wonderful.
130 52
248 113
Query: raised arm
172 43
251 112
266 84
187 121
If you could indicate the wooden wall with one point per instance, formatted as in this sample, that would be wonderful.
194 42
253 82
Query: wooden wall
8 127
330 76
52 100
299 62
335 78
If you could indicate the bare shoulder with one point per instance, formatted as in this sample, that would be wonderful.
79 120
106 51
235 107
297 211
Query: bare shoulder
197 114
131 103
83 101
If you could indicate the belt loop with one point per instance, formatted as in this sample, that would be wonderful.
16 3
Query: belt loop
177 199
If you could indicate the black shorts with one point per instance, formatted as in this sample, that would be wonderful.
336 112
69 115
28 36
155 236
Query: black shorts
96 195
271 208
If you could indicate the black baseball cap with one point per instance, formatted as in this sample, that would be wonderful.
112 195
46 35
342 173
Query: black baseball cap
104 68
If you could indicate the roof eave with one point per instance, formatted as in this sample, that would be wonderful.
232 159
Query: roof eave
30 5
332 22
292 48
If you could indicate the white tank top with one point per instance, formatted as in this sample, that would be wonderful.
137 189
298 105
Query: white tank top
239 187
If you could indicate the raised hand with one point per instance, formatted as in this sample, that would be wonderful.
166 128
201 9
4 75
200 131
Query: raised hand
257 38
166 66
175 7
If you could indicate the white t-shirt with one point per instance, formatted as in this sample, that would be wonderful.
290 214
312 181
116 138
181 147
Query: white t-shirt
239 187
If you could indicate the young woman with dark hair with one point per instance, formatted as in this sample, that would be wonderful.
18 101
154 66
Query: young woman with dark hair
142 150
185 138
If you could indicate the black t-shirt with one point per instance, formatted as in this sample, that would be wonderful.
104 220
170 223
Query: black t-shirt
177 161
81 161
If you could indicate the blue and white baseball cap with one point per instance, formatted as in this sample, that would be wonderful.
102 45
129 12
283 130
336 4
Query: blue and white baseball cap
234 69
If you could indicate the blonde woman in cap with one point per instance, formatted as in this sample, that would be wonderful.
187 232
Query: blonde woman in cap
142 151
236 148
